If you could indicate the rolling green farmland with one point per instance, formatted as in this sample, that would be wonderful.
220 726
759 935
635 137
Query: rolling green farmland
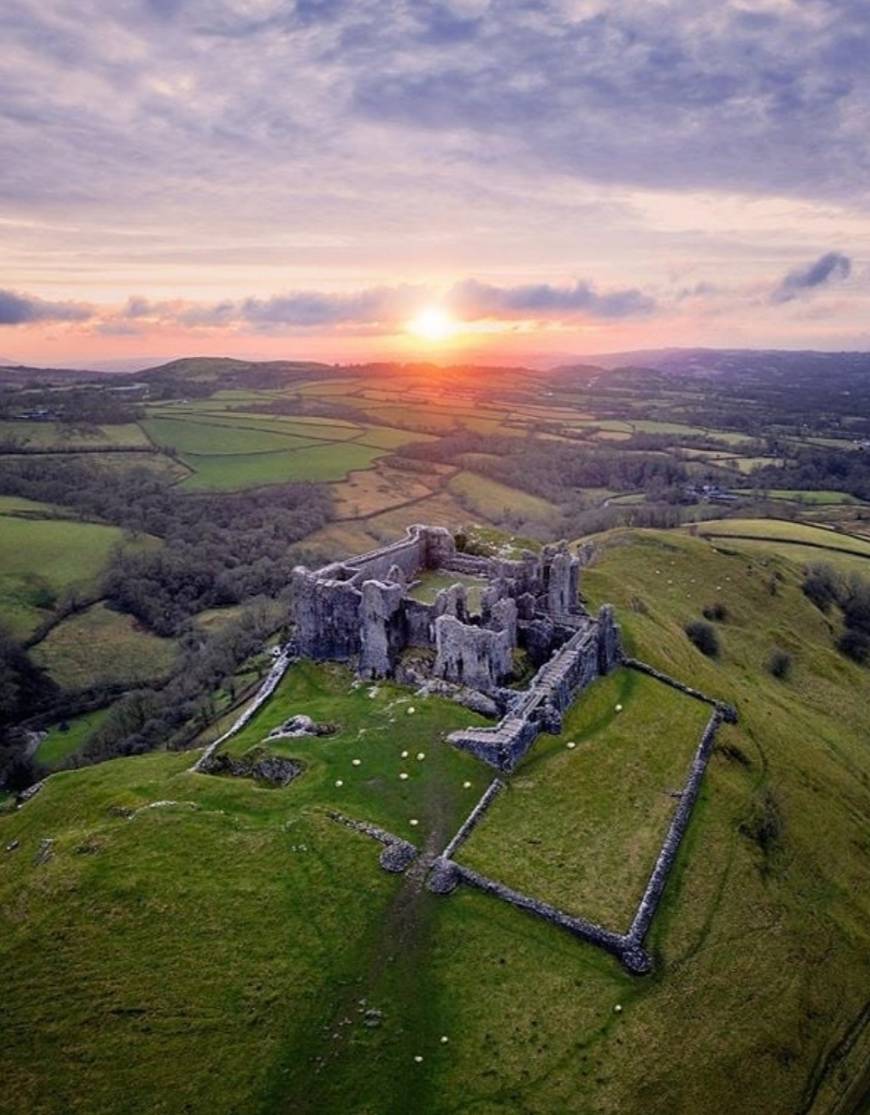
497 501
99 646
207 439
321 462
40 558
56 435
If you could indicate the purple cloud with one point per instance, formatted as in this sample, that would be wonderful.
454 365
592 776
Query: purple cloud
22 309
475 299
832 265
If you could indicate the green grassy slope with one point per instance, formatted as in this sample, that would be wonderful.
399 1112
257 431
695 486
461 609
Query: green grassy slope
572 817
218 956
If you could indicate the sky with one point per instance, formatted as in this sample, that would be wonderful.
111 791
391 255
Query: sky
502 180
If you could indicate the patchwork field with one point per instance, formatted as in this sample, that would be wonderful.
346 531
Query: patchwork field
101 647
374 490
783 530
497 502
320 462
214 438
811 497
41 558
56 435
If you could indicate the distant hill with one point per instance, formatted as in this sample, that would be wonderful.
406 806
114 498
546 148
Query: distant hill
724 361
22 374
230 371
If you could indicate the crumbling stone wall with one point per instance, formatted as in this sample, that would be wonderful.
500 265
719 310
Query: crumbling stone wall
472 656
326 612
676 830
382 628
593 650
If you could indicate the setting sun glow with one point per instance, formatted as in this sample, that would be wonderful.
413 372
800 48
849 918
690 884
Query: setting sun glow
433 324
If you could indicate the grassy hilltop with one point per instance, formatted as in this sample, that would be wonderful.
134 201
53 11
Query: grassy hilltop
200 944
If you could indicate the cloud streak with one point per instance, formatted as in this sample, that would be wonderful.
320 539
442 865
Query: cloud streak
23 309
387 307
826 269
540 300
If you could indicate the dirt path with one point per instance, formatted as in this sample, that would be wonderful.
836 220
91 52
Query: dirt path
363 1059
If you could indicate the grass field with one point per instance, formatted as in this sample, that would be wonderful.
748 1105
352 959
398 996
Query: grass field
57 435
58 744
206 438
498 502
321 463
17 505
783 530
823 498
99 646
373 490
572 818
40 558
223 949
374 726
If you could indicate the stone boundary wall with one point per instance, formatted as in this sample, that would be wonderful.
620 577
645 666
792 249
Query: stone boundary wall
398 854
259 699
679 823
729 713
474 818
605 938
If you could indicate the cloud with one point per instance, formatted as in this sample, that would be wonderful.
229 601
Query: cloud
830 266
22 309
389 306
541 300
313 308
373 309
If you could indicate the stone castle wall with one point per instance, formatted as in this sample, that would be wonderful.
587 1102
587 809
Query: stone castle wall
593 650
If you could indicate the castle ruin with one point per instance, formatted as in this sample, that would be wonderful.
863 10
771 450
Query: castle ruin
361 610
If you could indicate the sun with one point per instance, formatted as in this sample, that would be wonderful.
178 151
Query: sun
433 324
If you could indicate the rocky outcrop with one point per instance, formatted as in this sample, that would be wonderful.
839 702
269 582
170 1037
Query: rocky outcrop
275 770
301 725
